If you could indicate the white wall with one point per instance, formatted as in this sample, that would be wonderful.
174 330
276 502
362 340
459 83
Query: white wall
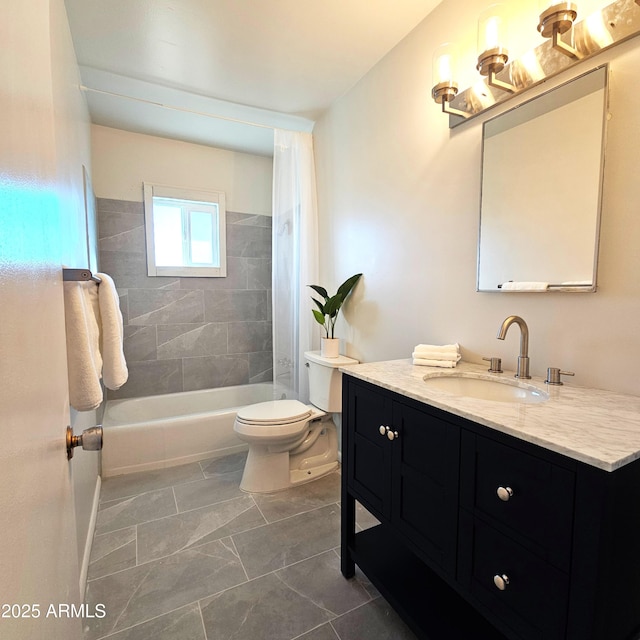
122 161
399 200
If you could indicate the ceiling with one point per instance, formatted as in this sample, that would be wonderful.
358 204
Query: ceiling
165 67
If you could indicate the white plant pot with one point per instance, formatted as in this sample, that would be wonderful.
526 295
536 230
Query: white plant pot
329 347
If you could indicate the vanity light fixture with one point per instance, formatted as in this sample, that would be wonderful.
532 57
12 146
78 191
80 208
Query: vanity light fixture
557 20
606 27
444 72
493 55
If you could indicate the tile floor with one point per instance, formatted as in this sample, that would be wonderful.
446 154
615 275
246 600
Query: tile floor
183 554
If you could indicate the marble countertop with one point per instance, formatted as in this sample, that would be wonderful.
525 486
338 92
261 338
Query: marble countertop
600 428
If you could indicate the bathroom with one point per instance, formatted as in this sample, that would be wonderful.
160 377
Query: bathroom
398 196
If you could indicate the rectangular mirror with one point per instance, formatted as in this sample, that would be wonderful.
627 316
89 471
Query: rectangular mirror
542 169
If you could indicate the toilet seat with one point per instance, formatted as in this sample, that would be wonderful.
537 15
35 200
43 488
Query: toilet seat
276 420
274 412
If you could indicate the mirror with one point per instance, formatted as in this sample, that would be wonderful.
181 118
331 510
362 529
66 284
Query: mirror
542 168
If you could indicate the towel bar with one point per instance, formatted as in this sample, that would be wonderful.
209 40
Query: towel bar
79 274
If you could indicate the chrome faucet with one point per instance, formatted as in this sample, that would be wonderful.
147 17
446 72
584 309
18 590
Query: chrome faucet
523 358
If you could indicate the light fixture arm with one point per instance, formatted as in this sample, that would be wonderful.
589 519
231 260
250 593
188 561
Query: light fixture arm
499 84
560 45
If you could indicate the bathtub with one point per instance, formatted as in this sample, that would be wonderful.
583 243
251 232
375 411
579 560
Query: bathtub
166 430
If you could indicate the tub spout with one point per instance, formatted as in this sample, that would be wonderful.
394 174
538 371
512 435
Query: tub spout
523 358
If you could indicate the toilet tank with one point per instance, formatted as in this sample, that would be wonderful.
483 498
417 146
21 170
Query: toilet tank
325 380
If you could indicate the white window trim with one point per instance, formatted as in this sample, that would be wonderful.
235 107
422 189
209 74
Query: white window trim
164 191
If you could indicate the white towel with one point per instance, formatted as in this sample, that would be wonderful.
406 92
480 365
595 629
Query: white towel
437 352
84 361
433 355
525 286
115 372
448 364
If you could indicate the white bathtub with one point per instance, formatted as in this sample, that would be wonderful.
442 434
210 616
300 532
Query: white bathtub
175 428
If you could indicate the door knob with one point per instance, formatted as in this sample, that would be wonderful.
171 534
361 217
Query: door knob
90 440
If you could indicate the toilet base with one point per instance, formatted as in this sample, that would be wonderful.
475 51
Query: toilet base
266 471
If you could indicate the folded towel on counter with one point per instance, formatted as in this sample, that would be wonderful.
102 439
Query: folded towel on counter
525 286
431 355
84 360
437 352
448 364
114 365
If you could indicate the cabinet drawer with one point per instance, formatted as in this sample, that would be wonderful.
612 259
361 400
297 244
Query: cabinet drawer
534 599
531 496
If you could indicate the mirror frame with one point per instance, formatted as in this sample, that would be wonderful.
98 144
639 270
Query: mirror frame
582 288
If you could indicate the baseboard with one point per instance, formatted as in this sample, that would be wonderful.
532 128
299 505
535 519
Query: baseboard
84 569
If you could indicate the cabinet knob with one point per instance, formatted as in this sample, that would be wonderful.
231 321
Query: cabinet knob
386 431
501 581
504 493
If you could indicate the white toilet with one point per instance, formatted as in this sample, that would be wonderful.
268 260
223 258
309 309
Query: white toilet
290 442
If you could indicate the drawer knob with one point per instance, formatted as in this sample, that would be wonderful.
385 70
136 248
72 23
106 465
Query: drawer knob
504 493
501 581
386 431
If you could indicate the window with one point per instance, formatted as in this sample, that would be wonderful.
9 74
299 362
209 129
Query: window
185 232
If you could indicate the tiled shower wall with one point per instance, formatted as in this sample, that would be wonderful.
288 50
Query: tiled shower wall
183 334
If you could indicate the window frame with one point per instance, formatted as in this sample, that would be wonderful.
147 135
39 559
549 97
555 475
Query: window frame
152 190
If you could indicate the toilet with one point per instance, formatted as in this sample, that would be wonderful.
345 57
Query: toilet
291 442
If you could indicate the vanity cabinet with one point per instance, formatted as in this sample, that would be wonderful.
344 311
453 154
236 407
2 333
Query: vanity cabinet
404 466
483 535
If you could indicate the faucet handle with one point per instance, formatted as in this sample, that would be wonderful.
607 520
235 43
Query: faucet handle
554 373
495 366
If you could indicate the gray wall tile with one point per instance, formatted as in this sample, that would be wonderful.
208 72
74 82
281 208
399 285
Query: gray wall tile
165 306
191 340
247 337
260 366
112 224
140 343
179 332
210 372
259 273
151 377
248 241
230 306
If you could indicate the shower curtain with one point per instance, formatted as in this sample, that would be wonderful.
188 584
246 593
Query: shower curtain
295 260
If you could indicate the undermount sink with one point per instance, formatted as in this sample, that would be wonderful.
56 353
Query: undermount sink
479 386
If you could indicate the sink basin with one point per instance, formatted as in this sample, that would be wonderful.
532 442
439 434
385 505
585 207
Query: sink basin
479 386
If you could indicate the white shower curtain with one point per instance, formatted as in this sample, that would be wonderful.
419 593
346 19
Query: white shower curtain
295 260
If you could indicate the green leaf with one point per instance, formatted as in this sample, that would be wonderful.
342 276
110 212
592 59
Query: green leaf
332 305
348 284
320 305
321 290
318 316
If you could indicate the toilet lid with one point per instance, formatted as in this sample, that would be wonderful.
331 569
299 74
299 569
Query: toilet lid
274 412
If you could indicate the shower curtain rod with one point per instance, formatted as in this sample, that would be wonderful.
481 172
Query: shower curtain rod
184 110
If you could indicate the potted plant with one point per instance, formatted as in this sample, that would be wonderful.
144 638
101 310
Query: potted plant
327 313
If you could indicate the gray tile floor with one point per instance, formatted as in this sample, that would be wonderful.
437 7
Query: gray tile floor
183 554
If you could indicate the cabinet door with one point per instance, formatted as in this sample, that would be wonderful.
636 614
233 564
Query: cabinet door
425 483
368 461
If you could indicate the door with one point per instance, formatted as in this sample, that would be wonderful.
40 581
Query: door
38 553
